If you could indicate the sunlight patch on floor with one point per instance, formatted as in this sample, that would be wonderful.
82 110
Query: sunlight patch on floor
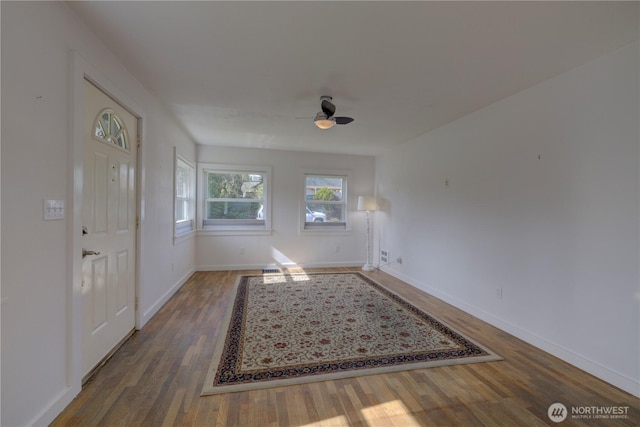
283 277
288 269
389 414
338 421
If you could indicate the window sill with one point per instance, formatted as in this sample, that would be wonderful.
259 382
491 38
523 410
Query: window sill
234 232
326 232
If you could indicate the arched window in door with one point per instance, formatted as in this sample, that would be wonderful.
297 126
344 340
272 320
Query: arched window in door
109 128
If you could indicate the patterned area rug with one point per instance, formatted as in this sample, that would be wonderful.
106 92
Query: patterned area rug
294 328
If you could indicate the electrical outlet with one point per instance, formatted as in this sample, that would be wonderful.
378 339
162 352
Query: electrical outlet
384 256
399 260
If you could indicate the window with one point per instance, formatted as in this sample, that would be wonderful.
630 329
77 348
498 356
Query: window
325 203
108 128
184 196
235 197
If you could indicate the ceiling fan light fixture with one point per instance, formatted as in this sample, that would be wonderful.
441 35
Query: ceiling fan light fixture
323 122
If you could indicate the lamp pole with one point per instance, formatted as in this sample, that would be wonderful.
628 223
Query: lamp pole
368 204
368 266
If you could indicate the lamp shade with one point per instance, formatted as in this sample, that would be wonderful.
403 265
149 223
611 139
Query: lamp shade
367 203
324 123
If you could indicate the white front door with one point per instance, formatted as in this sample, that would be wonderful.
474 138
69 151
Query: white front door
109 225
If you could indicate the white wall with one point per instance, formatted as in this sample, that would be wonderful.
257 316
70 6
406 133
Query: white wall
37 379
557 234
286 244
165 266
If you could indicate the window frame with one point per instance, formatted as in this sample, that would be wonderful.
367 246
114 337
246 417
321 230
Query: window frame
325 227
182 228
108 137
240 227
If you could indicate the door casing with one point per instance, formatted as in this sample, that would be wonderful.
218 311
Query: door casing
81 69
109 211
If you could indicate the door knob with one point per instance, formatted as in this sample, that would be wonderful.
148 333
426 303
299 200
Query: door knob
86 252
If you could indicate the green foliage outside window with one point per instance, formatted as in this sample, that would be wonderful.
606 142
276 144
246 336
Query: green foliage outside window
324 193
333 211
246 189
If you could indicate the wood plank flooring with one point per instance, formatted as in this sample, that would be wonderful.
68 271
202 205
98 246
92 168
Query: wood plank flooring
156 377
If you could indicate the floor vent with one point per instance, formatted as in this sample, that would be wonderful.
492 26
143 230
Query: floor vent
270 270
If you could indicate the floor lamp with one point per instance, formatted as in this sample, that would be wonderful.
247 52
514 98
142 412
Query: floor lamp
368 204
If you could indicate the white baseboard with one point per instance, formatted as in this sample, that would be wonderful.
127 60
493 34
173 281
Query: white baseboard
149 313
55 407
64 398
592 367
236 267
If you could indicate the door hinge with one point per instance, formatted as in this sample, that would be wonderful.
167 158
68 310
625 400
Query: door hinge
138 140
137 222
137 303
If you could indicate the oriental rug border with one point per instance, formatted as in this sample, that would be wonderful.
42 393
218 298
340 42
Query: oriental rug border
243 360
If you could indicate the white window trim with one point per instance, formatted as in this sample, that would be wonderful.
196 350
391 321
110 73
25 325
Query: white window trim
233 230
182 235
328 230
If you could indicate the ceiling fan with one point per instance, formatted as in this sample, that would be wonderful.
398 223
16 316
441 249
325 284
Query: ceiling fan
325 119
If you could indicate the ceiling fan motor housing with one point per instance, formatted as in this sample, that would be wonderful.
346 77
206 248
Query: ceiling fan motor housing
325 119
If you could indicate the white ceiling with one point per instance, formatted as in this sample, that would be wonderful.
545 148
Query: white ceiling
242 73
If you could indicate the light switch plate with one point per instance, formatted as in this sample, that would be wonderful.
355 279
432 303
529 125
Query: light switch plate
53 209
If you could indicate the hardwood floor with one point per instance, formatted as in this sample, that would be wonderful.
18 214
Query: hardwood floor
156 377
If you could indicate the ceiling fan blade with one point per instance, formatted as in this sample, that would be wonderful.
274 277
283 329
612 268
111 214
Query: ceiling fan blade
343 120
328 108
